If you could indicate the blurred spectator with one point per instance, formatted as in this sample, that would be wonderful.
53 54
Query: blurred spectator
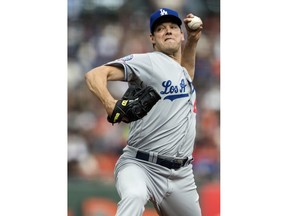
77 152
206 161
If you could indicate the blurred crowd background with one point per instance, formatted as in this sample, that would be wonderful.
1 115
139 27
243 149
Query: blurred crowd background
100 31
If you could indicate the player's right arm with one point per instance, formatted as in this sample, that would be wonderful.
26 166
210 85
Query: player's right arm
188 59
96 80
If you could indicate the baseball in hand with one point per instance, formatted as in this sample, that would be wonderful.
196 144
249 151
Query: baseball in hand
195 23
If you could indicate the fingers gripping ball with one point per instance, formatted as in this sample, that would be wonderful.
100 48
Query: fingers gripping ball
195 23
134 105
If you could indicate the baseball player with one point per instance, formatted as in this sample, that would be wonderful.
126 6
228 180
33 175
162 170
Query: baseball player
160 108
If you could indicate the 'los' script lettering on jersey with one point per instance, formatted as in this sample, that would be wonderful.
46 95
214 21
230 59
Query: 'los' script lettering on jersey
174 91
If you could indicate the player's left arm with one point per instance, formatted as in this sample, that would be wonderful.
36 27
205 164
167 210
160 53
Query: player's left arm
96 80
188 58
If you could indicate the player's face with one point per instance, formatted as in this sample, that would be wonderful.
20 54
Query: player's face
167 38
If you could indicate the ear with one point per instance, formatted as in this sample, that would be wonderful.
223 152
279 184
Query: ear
182 37
152 39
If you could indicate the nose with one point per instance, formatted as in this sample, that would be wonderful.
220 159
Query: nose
168 30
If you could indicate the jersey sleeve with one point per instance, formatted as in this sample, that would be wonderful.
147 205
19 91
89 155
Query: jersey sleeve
136 67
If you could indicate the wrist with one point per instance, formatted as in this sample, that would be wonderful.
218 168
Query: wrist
109 106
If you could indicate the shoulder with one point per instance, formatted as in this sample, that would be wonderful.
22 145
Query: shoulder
158 56
133 57
142 55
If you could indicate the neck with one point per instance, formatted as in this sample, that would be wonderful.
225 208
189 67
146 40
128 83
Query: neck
175 56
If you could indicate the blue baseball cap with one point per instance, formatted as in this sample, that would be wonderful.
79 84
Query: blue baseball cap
164 14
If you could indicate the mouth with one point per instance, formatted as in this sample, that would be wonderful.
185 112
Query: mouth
166 39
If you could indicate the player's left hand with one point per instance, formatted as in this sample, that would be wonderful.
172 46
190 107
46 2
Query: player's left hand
134 105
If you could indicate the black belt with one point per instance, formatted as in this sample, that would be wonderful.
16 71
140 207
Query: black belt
166 162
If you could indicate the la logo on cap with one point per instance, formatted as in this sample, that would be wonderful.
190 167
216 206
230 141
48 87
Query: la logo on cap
163 12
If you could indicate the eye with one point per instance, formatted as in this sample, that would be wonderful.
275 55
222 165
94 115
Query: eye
159 28
174 26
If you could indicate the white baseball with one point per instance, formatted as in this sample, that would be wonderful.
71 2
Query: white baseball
195 23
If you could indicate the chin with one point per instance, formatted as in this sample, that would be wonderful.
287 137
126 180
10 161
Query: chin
170 50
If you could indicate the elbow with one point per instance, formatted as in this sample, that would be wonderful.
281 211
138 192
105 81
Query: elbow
88 77
96 75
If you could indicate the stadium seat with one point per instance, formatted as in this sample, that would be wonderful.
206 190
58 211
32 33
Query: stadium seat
210 199
70 212
98 206
150 212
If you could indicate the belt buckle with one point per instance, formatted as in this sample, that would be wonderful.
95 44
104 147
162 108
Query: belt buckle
177 163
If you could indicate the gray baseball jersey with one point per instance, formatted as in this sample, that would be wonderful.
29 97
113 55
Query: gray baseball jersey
169 129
